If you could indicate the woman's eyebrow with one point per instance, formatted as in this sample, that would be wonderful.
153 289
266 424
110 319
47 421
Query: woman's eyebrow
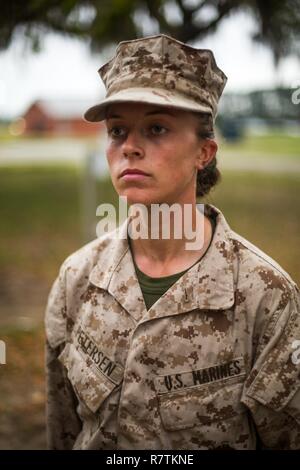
149 113
160 111
113 116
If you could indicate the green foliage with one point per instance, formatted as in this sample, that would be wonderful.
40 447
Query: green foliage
104 22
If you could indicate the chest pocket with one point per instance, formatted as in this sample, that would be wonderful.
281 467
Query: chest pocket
204 405
90 385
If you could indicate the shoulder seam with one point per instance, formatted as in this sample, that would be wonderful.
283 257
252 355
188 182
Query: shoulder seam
268 260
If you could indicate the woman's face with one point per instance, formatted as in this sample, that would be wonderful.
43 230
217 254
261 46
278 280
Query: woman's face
160 141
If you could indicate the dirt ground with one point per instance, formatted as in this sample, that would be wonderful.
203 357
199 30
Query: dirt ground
22 386
22 389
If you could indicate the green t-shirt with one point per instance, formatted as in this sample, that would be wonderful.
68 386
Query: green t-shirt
154 287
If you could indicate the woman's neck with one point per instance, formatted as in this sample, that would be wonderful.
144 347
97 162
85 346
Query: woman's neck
165 256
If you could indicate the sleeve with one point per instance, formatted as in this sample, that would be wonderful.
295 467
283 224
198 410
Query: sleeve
62 421
272 389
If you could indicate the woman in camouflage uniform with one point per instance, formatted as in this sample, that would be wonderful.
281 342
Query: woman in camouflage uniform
151 345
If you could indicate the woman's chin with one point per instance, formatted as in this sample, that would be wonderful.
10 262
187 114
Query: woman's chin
136 198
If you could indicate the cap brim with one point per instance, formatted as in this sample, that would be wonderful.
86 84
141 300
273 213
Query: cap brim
156 96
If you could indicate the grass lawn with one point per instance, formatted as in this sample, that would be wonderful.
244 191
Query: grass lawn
22 390
270 145
40 211
265 210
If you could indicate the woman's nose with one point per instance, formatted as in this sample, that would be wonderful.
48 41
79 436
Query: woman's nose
132 146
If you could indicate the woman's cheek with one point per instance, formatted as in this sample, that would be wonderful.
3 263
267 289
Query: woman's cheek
109 154
111 160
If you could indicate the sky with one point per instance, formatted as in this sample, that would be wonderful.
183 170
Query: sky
66 69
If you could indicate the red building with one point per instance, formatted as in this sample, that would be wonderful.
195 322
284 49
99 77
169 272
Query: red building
59 118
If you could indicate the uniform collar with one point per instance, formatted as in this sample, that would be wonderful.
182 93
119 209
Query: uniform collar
209 284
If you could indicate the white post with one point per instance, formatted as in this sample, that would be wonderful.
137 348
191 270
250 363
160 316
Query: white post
95 169
2 352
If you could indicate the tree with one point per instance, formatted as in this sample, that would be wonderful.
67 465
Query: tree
104 22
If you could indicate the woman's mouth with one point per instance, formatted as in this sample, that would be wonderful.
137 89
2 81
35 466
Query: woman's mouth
133 175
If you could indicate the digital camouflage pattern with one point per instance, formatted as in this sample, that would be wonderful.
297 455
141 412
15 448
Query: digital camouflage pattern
208 366
161 70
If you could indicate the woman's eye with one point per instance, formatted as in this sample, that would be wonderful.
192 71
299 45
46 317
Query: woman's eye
116 131
158 130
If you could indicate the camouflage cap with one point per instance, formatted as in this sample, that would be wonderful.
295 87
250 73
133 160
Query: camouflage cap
161 70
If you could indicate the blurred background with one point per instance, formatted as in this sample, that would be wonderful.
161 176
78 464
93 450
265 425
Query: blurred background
53 171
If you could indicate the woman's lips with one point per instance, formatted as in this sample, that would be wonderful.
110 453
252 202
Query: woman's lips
134 176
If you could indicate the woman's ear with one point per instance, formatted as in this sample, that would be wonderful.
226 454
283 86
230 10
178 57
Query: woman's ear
207 152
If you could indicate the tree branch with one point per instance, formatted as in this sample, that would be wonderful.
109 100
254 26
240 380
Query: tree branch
153 7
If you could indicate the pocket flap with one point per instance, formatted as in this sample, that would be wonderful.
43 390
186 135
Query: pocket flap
200 405
91 386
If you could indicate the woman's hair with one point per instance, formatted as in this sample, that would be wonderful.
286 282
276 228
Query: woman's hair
210 175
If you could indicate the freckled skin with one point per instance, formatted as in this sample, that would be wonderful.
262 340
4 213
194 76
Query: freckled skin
164 146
